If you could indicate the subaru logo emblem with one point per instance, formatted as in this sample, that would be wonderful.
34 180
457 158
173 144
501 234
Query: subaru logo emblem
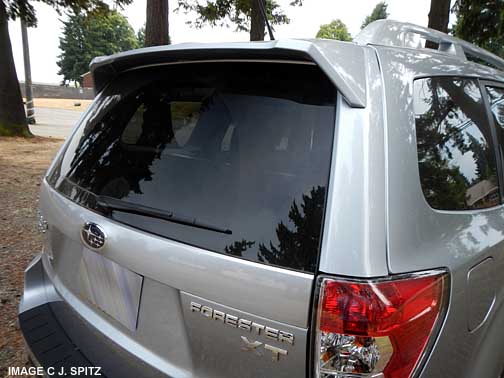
93 236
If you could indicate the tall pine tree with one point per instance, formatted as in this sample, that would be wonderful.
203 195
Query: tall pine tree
482 23
297 245
87 36
157 26
439 15
379 13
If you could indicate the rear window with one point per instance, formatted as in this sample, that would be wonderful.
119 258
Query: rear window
244 147
456 155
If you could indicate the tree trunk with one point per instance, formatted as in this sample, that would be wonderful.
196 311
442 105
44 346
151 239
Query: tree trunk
439 15
256 22
12 115
156 27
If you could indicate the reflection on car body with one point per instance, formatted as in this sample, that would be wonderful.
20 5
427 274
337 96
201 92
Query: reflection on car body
305 208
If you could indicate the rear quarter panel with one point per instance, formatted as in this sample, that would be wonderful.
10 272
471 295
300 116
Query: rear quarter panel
421 238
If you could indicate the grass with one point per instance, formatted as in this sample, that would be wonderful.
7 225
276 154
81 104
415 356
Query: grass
15 130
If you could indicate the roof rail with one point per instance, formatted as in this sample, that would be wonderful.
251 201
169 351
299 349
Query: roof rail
403 34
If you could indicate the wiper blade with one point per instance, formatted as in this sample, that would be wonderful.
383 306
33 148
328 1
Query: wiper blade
114 204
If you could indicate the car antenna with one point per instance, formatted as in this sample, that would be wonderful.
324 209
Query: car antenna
263 12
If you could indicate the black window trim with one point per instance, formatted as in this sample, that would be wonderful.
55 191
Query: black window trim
499 153
482 83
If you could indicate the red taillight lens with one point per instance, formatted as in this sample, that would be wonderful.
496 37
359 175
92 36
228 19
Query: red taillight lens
377 327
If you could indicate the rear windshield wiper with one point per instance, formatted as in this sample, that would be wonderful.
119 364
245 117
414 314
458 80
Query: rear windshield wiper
113 204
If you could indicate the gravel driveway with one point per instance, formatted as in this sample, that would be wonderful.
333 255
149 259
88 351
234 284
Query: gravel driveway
23 162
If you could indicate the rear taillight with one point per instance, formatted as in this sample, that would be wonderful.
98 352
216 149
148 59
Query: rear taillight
377 328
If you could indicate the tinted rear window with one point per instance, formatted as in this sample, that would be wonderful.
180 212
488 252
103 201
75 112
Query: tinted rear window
242 146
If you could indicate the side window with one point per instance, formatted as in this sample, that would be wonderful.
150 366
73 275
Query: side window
496 97
456 158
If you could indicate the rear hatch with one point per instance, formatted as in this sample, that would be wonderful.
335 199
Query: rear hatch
203 187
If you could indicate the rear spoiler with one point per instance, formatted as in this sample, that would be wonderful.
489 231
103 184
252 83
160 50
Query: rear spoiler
343 63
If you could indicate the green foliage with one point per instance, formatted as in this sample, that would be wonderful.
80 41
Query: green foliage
238 12
141 37
335 30
481 22
379 13
14 130
24 10
87 36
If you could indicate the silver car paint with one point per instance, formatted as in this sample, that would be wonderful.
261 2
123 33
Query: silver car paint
420 237
41 282
402 34
222 349
377 222
36 292
170 268
283 293
354 242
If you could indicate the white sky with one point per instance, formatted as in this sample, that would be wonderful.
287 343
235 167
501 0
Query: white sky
305 22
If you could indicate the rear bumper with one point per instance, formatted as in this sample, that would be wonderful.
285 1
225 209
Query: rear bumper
48 343
59 340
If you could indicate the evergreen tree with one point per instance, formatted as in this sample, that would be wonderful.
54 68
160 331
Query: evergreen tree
141 36
379 13
87 36
439 16
482 23
297 246
157 26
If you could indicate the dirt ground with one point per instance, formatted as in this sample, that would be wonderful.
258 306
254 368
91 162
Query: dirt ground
62 103
23 162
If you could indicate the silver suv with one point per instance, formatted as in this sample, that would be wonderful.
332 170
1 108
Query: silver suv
296 208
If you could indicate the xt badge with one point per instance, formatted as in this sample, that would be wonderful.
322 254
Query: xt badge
254 346
251 327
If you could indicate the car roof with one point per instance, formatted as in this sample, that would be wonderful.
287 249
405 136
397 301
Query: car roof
427 62
453 55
